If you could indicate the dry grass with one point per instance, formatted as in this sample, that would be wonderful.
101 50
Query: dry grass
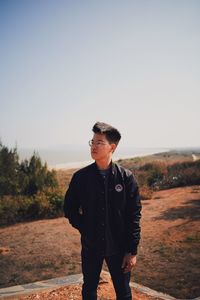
168 259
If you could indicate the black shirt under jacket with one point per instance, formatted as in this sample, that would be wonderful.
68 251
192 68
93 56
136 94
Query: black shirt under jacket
90 205
108 244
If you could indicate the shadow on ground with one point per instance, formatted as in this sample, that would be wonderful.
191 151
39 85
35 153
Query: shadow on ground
190 211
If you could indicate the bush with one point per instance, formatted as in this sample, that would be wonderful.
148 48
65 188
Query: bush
182 174
159 175
28 190
56 202
35 177
14 209
25 178
150 174
9 165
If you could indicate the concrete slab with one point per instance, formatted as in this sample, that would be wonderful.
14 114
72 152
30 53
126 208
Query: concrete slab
14 292
12 289
150 292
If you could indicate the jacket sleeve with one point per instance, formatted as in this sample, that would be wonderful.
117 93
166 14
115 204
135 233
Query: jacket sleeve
133 215
72 204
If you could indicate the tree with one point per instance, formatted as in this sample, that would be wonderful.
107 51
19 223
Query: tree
35 176
26 178
9 167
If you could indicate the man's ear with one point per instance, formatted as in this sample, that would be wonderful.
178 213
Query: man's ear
114 146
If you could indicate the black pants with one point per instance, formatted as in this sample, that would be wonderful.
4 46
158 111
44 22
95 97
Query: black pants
91 268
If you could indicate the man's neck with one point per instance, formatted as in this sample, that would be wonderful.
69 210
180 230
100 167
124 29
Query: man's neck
103 164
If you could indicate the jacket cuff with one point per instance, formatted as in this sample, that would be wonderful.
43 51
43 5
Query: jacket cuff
132 251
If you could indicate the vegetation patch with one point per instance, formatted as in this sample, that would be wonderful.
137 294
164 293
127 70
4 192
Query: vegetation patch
163 171
192 238
28 190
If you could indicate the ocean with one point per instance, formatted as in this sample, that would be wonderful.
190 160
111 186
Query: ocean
74 156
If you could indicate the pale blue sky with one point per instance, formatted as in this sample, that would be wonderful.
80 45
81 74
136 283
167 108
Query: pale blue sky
66 64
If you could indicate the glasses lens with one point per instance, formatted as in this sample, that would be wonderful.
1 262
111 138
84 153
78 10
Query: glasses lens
98 144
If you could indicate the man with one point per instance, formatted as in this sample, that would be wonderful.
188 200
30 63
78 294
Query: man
103 203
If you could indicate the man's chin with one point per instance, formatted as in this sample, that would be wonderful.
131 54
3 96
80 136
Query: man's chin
94 156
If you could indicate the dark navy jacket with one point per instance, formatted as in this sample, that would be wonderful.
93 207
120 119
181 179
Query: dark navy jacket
86 209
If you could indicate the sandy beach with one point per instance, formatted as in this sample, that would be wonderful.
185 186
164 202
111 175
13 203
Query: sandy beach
81 164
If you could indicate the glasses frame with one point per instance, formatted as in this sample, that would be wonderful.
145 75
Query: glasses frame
97 144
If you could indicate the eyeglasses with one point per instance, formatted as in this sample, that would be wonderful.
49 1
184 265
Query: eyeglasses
97 144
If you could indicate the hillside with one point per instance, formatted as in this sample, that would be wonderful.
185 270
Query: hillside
169 248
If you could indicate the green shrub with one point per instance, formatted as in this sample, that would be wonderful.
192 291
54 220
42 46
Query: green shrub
28 190
157 175
9 165
182 174
26 178
35 177
14 209
150 174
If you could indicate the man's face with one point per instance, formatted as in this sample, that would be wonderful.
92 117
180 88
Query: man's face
100 147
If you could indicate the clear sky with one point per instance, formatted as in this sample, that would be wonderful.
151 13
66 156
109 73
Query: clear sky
66 64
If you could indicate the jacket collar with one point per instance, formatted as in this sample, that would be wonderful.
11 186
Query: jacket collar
113 167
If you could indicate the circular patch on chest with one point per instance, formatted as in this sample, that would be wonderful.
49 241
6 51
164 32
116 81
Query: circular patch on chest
118 188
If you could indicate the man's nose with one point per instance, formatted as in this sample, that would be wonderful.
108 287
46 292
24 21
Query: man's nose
94 145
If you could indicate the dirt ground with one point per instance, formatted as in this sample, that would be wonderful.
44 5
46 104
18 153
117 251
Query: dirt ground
73 292
168 259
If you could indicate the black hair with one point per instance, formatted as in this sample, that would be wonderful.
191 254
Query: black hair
111 133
